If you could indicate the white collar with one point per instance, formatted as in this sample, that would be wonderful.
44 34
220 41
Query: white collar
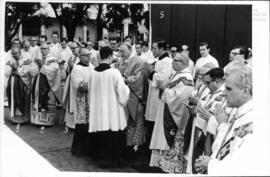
248 106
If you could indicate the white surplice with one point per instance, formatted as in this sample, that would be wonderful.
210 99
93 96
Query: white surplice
203 60
163 70
79 75
108 95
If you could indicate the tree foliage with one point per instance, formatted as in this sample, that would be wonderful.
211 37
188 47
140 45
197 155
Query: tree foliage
15 13
76 14
71 16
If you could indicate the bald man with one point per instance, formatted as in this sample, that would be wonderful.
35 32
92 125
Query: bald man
20 71
46 89
172 119
77 115
26 50
131 67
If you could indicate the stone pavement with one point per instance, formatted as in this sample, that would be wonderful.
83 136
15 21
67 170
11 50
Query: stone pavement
54 145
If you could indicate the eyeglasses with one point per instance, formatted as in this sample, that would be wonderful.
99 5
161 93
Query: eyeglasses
208 82
177 60
87 54
234 53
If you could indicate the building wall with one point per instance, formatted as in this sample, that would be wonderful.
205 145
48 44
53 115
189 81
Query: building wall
56 27
222 26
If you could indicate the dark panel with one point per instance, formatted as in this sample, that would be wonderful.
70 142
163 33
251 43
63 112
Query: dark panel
31 26
210 28
238 30
161 22
183 26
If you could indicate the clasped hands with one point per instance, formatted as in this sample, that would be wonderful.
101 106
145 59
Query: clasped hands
218 112
83 87
201 164
161 85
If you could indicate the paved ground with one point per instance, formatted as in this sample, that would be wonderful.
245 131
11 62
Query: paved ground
54 145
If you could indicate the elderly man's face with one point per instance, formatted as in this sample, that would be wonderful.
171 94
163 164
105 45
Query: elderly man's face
85 56
26 47
177 64
124 52
232 91
16 53
44 50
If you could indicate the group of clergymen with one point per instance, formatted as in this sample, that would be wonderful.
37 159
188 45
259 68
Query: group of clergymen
194 119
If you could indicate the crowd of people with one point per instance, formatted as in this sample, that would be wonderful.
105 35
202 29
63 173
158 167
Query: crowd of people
193 118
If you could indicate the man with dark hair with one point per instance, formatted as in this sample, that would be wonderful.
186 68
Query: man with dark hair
128 40
33 47
55 46
205 57
108 95
69 93
173 50
42 40
105 52
159 74
238 55
114 44
205 127
64 53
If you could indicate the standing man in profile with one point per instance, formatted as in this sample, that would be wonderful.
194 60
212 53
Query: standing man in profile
206 57
159 74
130 68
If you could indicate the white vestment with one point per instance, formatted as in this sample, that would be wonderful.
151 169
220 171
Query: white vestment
163 70
202 61
108 95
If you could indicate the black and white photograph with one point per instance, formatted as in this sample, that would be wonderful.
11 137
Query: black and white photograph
118 88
